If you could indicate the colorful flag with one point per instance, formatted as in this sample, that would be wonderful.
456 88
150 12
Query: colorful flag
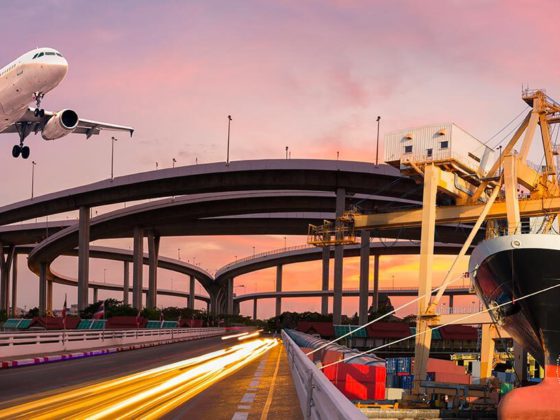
64 310
100 314
138 319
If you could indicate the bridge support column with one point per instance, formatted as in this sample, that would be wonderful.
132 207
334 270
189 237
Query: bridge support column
126 281
278 289
42 288
325 282
487 352
95 295
153 252
364 277
451 303
6 259
427 237
192 290
375 302
137 266
255 309
14 286
338 260
230 297
49 297
83 257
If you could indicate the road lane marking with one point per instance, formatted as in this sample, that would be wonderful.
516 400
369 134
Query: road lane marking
266 409
249 397
240 416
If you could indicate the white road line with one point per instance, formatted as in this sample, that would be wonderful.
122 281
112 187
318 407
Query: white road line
254 383
249 397
240 416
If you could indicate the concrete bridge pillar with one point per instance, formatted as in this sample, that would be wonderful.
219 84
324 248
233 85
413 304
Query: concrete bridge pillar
325 280
451 303
95 295
153 251
278 289
42 288
338 260
364 276
49 296
192 289
137 266
83 257
6 259
126 281
14 286
255 309
375 302
229 291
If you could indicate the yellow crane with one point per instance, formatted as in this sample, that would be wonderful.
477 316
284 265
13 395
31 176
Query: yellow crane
480 196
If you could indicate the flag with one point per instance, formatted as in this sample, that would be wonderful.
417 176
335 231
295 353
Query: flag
64 309
100 314
138 319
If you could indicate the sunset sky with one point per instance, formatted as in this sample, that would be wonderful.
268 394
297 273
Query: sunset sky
310 75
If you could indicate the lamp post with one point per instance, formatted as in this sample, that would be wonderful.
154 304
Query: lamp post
157 165
377 145
285 247
228 131
113 140
179 254
33 163
253 251
174 162
287 152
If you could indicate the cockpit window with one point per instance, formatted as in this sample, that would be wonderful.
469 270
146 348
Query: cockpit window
40 54
35 56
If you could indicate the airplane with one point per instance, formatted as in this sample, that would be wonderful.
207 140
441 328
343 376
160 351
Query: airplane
29 78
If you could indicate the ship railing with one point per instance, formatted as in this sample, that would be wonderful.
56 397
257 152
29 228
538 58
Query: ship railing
534 225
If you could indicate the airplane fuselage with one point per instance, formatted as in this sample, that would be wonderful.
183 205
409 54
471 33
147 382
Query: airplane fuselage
37 71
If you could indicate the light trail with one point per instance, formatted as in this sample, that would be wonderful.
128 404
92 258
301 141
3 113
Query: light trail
255 334
149 394
227 337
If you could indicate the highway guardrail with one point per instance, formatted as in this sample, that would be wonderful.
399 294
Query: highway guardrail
39 342
318 397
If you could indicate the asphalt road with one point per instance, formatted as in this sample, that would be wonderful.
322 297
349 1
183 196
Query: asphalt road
45 379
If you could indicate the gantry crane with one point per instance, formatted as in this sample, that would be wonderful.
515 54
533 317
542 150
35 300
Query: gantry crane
480 196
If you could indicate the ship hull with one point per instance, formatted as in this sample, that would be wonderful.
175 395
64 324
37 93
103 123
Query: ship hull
505 269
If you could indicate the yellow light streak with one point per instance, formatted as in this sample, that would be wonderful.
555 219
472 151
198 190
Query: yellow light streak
227 337
148 394
253 335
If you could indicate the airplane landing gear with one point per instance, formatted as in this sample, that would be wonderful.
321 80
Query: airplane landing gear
38 96
23 150
24 129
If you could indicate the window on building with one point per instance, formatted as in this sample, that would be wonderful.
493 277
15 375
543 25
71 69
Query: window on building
408 149
444 145
429 152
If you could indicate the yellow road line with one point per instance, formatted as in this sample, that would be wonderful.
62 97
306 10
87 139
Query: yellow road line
266 408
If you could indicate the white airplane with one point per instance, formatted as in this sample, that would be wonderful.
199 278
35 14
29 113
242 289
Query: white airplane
26 80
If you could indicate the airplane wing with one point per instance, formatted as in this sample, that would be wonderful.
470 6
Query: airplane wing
87 127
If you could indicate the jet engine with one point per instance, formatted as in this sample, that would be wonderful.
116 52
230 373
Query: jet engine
60 124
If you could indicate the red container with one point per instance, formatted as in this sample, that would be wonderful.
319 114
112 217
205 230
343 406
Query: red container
311 357
444 366
452 378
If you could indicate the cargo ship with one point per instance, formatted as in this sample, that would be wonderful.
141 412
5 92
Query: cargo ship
510 267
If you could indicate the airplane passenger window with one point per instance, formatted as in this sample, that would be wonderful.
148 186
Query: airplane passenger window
60 55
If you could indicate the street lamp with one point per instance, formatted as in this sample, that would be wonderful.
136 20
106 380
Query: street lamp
285 243
179 254
33 163
287 152
377 145
253 251
157 165
174 162
113 140
393 277
228 131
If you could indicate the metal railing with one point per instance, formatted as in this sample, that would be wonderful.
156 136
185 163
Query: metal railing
37 342
318 397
